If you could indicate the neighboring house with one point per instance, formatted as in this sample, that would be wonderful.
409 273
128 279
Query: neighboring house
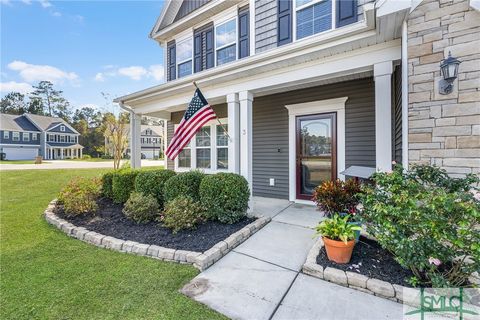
23 137
308 88
151 140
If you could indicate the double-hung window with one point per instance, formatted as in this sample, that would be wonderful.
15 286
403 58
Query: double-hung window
62 138
26 136
226 41
62 128
208 150
184 57
6 134
16 136
312 17
34 137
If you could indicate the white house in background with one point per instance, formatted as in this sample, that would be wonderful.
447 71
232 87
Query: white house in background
151 140
308 88
23 137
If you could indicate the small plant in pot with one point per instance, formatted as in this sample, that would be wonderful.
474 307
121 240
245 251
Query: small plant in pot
339 238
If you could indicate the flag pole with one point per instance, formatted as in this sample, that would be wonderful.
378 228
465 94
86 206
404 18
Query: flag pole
225 130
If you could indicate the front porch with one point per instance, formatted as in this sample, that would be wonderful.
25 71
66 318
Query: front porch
63 152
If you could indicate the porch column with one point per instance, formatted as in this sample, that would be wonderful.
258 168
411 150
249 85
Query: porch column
383 115
246 138
135 132
81 152
233 132
62 153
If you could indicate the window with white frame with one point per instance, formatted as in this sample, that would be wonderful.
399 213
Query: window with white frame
62 128
208 150
312 17
184 57
226 41
62 138
34 137
16 136
6 134
26 136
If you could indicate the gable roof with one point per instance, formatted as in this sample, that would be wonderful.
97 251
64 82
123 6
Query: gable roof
157 130
46 123
12 122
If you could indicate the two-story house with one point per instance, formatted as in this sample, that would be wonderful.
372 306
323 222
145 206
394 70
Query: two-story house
308 88
151 142
23 137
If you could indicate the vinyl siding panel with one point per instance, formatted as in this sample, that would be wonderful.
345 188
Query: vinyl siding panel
397 115
270 131
188 6
265 25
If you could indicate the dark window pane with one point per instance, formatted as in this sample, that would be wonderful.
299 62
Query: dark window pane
185 69
226 54
203 158
222 158
184 158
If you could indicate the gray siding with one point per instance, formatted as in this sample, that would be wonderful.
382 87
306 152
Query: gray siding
21 141
397 115
270 131
265 25
360 4
57 130
188 6
220 110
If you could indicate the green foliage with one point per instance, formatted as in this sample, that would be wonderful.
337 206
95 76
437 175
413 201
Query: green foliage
182 213
428 221
185 184
337 228
141 208
86 157
123 184
337 196
107 184
225 196
80 196
153 182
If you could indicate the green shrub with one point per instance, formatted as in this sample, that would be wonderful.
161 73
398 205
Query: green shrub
337 196
107 181
225 196
123 183
185 184
86 156
153 182
182 213
80 196
428 227
141 208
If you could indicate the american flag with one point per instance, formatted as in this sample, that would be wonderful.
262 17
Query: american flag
198 113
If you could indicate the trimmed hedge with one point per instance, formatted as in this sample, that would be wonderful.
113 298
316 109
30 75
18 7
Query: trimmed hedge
141 208
152 183
183 185
123 185
107 181
181 214
225 196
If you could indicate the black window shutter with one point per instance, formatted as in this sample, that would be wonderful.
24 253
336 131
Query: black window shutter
243 33
203 48
171 61
284 23
346 12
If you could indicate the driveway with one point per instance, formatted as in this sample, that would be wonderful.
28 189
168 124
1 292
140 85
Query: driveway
66 164
261 278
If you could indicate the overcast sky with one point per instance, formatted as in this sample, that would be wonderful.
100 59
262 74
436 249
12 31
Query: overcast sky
83 47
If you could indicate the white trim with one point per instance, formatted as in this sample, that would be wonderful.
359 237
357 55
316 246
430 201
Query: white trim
383 115
14 134
213 150
252 23
306 5
6 134
179 62
25 134
218 24
404 95
62 128
323 106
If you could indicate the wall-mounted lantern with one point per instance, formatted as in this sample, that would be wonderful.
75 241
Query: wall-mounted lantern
449 71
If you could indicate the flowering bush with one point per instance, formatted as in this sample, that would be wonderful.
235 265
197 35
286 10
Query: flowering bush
79 196
182 213
337 196
428 221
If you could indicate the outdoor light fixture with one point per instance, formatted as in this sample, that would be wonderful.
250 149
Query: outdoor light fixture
449 70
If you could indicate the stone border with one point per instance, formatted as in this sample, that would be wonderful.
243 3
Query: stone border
358 281
198 259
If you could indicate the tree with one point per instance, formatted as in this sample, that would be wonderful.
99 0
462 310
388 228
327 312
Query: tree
13 103
90 115
52 100
116 134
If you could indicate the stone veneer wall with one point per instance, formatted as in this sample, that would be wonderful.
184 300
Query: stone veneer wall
444 130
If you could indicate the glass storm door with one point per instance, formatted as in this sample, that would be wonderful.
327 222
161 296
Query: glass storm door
316 152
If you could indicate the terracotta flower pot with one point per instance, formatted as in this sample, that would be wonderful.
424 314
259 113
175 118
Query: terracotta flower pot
338 251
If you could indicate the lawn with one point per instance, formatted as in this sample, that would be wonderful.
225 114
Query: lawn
47 275
19 162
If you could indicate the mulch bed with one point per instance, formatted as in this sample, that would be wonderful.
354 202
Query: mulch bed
110 221
371 260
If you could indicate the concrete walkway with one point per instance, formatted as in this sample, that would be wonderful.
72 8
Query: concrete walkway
261 279
66 164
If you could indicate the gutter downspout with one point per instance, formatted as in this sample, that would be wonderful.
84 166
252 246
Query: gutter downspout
132 132
404 95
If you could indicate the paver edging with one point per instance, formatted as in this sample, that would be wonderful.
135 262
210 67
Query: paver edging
358 281
200 260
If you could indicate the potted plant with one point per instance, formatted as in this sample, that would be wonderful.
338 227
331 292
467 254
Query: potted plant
337 196
338 236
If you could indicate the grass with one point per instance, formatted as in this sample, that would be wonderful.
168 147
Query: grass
19 162
91 159
47 275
